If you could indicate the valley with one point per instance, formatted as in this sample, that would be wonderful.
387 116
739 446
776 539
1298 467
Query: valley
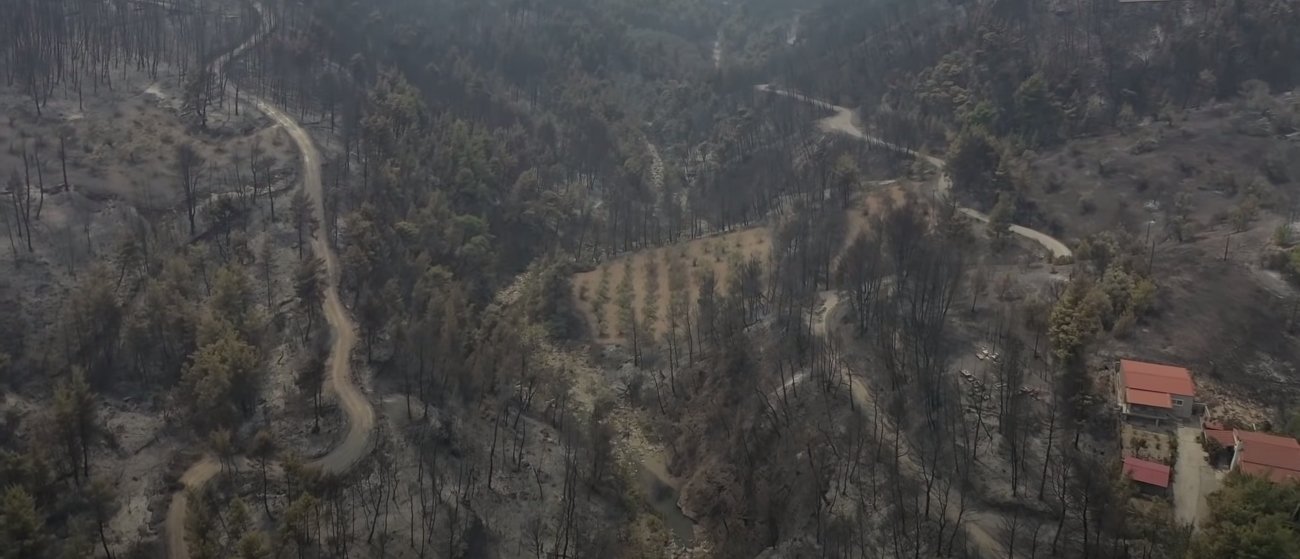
447 279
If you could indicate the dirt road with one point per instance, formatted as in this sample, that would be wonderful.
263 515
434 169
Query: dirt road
1194 479
979 527
361 415
843 122
195 477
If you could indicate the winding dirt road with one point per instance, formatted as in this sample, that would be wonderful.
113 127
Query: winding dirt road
360 414
979 527
843 122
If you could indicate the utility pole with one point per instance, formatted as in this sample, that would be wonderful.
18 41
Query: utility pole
1151 257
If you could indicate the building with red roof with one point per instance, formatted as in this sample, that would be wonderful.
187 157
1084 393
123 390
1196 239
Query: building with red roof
1276 457
1149 473
1271 456
1154 391
1227 438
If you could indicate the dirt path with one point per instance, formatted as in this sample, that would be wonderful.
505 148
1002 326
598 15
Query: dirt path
195 477
361 415
979 527
1194 480
843 122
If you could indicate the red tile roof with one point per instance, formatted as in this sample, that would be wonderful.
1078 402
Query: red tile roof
1150 473
1145 398
1157 378
1276 475
1272 456
1222 436
1268 439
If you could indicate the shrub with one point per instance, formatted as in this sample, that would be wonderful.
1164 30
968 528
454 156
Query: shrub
1138 442
1293 263
1253 127
1226 182
1086 205
1285 121
1282 235
1276 166
1124 326
1053 184
1210 444
1143 296
1106 167
1276 260
1145 145
1244 214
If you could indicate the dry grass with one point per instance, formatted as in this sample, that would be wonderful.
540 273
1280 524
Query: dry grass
1229 407
720 254
889 194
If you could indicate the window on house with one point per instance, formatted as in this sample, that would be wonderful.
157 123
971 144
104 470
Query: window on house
1178 402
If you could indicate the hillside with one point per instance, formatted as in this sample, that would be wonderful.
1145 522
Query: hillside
645 278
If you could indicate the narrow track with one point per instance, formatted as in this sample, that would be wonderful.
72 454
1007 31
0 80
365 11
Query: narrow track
842 122
980 528
360 414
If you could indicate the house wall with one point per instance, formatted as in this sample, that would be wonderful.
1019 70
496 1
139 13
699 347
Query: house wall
1147 411
1119 389
1147 489
1185 408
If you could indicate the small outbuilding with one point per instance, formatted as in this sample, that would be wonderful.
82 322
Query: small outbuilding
1225 444
1152 476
